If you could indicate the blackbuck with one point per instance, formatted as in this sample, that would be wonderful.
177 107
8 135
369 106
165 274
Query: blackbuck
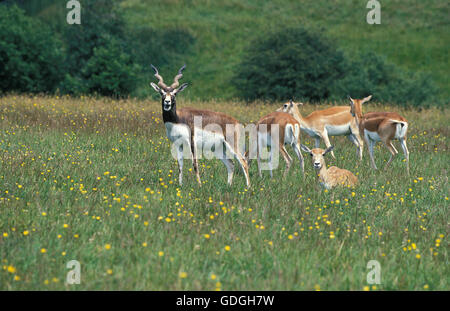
380 126
333 176
192 128
276 130
320 124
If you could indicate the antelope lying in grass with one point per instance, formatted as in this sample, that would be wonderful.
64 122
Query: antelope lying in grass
334 121
181 127
288 134
333 176
381 126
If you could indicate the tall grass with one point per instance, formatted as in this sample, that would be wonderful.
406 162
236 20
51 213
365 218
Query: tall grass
93 180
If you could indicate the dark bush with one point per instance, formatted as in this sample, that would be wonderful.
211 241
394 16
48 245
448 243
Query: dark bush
289 63
369 73
110 72
30 54
100 25
295 63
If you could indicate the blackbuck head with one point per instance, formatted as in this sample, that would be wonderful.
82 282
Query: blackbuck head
290 107
317 155
168 93
356 105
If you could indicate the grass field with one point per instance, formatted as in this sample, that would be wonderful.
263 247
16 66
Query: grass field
93 180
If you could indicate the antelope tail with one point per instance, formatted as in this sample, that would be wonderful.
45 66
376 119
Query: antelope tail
402 127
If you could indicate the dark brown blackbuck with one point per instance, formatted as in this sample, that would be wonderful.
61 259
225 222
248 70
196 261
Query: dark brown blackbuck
380 126
190 128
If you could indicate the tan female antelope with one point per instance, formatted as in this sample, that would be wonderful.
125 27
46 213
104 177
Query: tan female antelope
288 133
333 176
182 128
381 126
334 121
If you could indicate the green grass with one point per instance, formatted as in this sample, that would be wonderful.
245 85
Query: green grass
66 162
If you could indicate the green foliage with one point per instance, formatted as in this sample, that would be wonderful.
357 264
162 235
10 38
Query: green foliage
370 73
86 44
295 63
289 63
30 55
110 72
412 36
107 57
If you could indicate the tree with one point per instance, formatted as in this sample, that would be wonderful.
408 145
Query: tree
289 63
30 54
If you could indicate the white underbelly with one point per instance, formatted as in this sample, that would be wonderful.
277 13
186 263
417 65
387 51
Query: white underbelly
207 138
177 131
310 132
288 138
372 135
180 133
337 130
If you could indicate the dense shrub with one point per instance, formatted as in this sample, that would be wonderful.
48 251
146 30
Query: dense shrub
289 63
100 25
369 73
102 55
92 67
30 54
111 72
295 63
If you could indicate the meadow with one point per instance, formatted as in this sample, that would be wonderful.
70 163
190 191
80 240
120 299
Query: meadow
93 180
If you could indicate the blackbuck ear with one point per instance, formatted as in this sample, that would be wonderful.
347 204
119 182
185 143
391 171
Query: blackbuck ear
181 88
350 99
328 150
366 99
156 88
352 104
305 149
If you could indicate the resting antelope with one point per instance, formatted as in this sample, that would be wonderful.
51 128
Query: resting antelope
333 176
288 133
334 121
181 128
381 126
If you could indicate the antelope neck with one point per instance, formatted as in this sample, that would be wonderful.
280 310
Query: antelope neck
300 119
170 116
